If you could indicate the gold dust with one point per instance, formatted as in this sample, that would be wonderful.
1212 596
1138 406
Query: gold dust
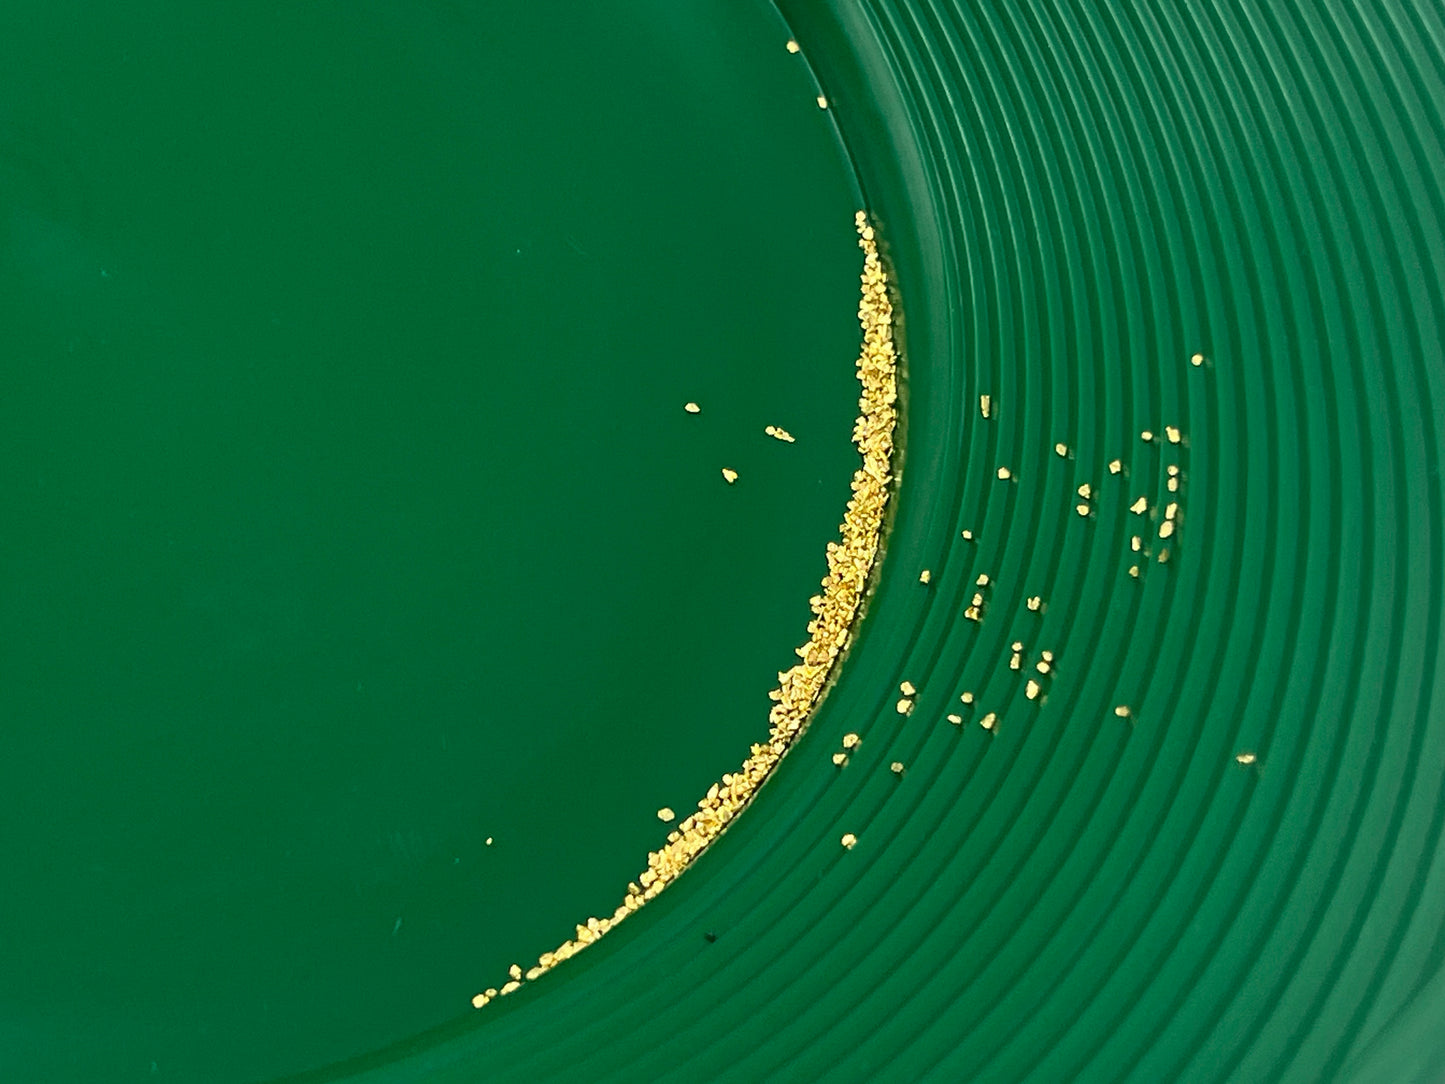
822 102
982 580
1061 450
1123 711
1245 758
1163 557
1082 509
1166 528
848 840
1004 474
1134 571
1086 491
1035 603
925 576
1197 360
955 719
904 706
851 741
985 405
967 536
840 759
793 46
850 562
777 432
1135 543
907 688
1115 466
989 721
1031 690
966 698
666 815
692 408
1171 432
729 475
896 767
1140 506
1147 436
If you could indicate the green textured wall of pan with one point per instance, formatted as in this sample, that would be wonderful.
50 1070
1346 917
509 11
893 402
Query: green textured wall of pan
351 518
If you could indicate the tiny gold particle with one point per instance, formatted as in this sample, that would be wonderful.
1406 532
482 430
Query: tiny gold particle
1172 432
1043 666
1046 655
1086 491
515 971
968 536
1139 507
989 721
982 580
1135 543
489 841
985 405
1172 470
1082 509
730 476
822 102
840 759
1061 449
955 719
666 815
480 1001
849 840
1171 510
692 408
1122 711
1035 603
1146 436
925 576
777 432
907 688
904 706
1166 528
1115 466
1031 690
793 47
966 698
896 767
1245 758
1164 557
1134 571
851 741
1197 360
1004 474
1172 485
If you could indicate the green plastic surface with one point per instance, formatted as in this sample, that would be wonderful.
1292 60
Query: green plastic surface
1075 199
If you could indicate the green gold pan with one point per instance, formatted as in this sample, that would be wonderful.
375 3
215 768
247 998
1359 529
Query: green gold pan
401 535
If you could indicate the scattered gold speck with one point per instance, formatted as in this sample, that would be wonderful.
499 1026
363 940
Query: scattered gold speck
985 405
1136 543
1035 603
480 1001
1086 491
777 432
896 767
840 759
851 741
793 46
1043 666
1122 711
1196 360
989 721
1082 509
515 971
1171 510
1146 436
982 580
822 102
1166 528
955 719
1061 449
925 576
489 841
1031 690
729 475
967 536
1134 571
1164 557
692 408
1172 470
1046 655
966 698
1140 506
907 689
904 706
849 839
1172 433
850 562
1172 485
1004 474
666 815
1115 466
1245 758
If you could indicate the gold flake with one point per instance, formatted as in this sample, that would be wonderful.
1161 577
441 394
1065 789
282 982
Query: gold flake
1171 510
1061 449
822 102
729 475
966 698
1035 603
1086 491
848 840
955 719
793 47
1166 528
967 536
1146 435
511 987
1197 360
1135 543
692 408
489 841
985 405
777 432
840 759
982 580
896 767
515 971
1172 485
1082 509
1245 758
1115 466
1122 711
666 815
925 576
1004 474
851 741
1140 506
1163 557
904 706
1172 432
1043 666
989 721
480 1001
907 688
1134 571
1031 690
1172 470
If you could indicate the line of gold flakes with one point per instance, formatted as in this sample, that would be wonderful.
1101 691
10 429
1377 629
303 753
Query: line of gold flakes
850 561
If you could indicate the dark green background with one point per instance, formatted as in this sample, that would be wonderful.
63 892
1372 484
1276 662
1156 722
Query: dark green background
348 511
